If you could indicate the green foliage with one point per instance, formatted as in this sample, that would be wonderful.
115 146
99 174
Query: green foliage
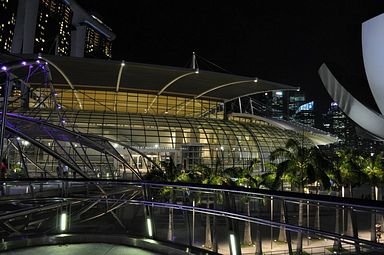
16 171
169 172
347 168
372 168
245 176
299 166
216 176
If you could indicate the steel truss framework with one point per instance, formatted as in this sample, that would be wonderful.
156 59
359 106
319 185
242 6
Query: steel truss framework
41 148
36 207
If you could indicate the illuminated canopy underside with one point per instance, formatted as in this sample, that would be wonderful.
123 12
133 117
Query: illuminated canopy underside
103 74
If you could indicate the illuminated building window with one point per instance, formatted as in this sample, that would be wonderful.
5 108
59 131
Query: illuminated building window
7 21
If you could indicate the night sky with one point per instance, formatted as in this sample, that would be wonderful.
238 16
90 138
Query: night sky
281 41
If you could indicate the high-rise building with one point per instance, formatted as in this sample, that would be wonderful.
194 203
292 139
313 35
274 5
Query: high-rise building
294 100
305 114
8 12
274 104
96 44
336 122
56 27
90 37
53 28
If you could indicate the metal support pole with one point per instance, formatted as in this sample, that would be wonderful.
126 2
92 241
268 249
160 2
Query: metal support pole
193 222
259 246
308 236
193 60
187 217
355 230
148 213
251 104
214 232
4 113
241 111
271 221
22 158
234 241
287 232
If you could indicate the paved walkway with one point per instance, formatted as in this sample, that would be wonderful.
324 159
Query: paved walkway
80 249
312 246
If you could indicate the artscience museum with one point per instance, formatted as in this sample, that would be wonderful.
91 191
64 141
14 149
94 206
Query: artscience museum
373 54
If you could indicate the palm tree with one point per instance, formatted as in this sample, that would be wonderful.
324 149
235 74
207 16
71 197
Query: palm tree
244 177
348 166
214 176
373 171
346 171
298 165
170 173
323 165
270 181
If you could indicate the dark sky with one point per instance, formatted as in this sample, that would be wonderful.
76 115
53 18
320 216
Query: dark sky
282 41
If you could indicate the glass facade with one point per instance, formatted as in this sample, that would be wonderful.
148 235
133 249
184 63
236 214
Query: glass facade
133 102
188 141
174 127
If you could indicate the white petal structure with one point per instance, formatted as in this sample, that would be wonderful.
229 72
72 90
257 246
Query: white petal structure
373 54
369 120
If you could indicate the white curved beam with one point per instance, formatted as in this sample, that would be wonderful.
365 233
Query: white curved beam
224 85
66 79
369 120
215 88
373 55
176 79
118 82
119 75
169 84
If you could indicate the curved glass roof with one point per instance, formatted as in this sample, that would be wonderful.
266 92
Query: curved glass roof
200 140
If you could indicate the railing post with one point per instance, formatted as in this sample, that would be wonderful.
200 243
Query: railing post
214 233
271 218
233 233
6 90
259 244
373 228
150 226
355 230
186 215
287 232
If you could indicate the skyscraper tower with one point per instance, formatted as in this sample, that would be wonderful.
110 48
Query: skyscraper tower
337 123
8 10
350 136
53 28
56 27
90 37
